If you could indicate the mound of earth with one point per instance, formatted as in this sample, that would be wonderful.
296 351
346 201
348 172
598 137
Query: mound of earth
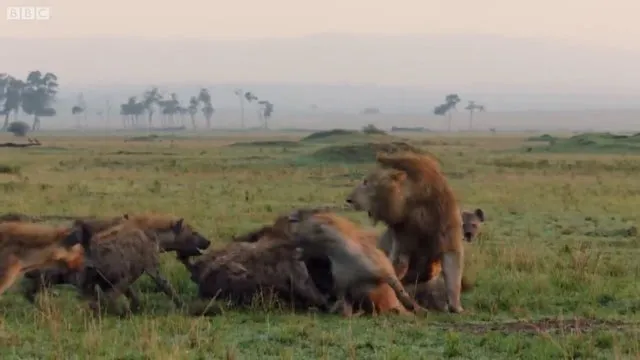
342 135
324 135
593 143
543 137
409 129
359 153
272 143
155 137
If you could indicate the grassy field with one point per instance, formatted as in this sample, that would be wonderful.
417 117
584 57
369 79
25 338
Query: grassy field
556 270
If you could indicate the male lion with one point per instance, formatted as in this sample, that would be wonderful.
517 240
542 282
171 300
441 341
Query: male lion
410 194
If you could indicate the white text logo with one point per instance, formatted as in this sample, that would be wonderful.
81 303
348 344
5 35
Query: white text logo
28 13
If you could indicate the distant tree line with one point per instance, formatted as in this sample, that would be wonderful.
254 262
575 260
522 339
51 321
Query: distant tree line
36 95
171 111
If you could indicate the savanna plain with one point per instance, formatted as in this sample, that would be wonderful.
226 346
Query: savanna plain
556 268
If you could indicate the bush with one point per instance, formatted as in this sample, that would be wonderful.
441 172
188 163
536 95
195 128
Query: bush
373 130
19 128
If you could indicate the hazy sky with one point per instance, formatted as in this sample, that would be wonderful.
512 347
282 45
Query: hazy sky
612 22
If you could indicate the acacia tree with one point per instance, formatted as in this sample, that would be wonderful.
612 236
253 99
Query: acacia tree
131 111
4 86
80 108
265 112
170 107
193 110
240 94
449 104
38 95
473 107
126 112
107 106
151 99
10 97
251 97
207 109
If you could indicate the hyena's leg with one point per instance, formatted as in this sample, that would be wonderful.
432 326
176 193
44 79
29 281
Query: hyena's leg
403 295
398 257
90 294
134 299
166 287
452 266
384 300
342 305
9 273
34 283
309 294
113 294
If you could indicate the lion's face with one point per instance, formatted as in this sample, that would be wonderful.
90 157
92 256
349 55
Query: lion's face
361 195
380 194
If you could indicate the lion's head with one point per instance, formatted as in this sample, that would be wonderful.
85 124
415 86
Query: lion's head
382 194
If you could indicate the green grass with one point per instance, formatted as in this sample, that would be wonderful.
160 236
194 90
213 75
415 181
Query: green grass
594 143
560 242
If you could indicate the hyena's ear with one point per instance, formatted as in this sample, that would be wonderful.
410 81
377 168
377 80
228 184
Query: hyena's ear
80 234
126 216
177 227
480 214
294 216
86 234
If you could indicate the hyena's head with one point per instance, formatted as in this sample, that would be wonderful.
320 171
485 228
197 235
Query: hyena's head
472 222
73 248
174 233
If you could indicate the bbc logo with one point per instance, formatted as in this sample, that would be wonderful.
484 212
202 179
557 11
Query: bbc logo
28 13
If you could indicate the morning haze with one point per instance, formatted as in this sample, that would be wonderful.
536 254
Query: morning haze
525 60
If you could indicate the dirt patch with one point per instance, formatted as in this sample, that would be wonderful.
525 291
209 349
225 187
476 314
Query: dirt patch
576 325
